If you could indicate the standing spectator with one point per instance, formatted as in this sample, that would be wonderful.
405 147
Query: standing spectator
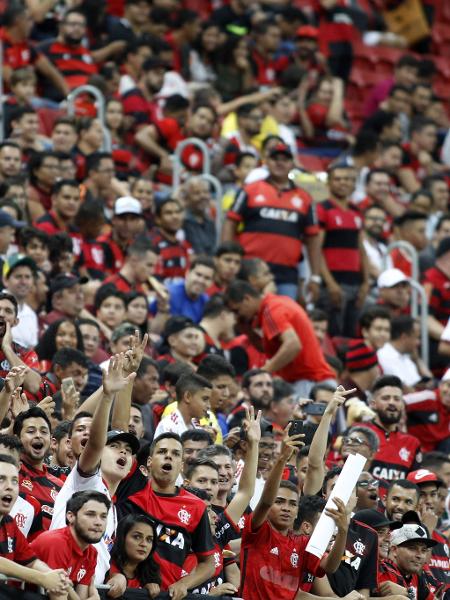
174 255
227 260
44 168
64 135
394 291
418 154
198 226
71 547
268 66
409 227
375 324
68 54
19 273
276 214
10 160
362 366
398 452
66 297
345 267
66 201
139 266
33 429
374 240
288 337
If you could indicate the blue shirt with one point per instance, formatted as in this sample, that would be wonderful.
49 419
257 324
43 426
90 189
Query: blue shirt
181 304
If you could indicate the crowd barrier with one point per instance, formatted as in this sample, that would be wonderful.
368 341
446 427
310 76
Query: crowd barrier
10 593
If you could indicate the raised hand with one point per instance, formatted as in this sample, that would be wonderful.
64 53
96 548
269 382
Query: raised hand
7 338
290 444
338 399
47 405
114 380
15 378
70 400
339 514
252 425
134 355
19 402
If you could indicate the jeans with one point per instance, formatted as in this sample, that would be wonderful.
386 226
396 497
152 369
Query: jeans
342 319
288 289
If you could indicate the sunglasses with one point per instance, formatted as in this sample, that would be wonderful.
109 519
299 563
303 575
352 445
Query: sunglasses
354 441
368 483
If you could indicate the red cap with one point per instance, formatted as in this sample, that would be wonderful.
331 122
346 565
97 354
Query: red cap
281 149
307 31
424 476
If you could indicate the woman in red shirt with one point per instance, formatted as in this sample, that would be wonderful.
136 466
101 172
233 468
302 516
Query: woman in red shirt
131 557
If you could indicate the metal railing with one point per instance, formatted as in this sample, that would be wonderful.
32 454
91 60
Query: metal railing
417 292
178 163
219 195
100 103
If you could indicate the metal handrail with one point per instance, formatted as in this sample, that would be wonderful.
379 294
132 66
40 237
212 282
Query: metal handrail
219 195
178 164
424 346
100 101
414 258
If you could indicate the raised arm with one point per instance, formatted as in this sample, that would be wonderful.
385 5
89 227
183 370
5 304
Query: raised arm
113 382
246 489
32 379
288 446
13 381
316 457
132 359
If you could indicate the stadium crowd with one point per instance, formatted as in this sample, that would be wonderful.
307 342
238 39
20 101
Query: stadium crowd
194 338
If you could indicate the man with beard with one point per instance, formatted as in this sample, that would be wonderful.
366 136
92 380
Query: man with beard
71 547
345 268
398 452
68 54
402 496
257 389
373 239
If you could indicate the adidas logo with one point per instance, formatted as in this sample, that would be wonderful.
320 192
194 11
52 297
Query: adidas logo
274 551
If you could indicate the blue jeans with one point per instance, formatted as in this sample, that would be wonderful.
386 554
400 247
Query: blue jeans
288 289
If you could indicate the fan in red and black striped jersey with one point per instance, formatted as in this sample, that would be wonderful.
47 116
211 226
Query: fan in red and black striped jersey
181 519
33 429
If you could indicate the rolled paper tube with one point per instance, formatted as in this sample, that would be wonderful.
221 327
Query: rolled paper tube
158 287
352 469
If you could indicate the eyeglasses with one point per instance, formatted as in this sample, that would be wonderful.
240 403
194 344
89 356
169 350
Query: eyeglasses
368 483
267 446
354 441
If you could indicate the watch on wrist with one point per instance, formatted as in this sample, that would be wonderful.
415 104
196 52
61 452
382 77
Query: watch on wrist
316 279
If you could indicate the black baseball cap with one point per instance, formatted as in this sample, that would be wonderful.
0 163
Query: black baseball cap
64 281
123 436
375 519
177 324
281 149
6 220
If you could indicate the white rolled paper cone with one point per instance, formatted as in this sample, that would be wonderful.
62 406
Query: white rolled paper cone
352 469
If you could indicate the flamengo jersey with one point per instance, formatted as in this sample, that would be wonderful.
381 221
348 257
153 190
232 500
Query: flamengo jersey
417 586
428 418
43 486
274 565
397 454
359 565
13 544
439 564
275 221
182 526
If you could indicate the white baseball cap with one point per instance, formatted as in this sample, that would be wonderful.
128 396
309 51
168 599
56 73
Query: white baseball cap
391 277
411 532
127 205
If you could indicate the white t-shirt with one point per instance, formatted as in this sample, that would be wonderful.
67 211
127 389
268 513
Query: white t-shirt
394 363
26 332
75 482
173 422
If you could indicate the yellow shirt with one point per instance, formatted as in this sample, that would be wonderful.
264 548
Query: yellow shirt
269 127
211 421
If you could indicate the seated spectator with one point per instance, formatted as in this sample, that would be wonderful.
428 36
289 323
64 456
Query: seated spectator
218 324
188 297
35 244
10 160
183 340
132 568
71 547
400 356
362 367
89 222
375 325
227 260
63 333
137 310
418 161
25 130
374 223
142 189
110 308
64 135
23 90
66 297
146 385
394 291
241 135
139 266
282 406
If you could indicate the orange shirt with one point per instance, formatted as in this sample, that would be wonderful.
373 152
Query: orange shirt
276 315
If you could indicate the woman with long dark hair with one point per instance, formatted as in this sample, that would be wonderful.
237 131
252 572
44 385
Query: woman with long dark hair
131 557
63 333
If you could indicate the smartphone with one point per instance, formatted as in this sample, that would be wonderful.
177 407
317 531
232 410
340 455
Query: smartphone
315 408
67 383
46 389
296 427
2 326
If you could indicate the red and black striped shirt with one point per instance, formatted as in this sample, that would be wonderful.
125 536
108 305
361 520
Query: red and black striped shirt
75 63
341 243
13 544
274 224
43 486
174 257
439 299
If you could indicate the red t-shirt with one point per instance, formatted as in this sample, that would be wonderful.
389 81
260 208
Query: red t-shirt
275 565
276 315
59 549
131 583
428 418
27 356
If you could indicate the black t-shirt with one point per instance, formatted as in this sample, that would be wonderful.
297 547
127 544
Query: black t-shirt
359 565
